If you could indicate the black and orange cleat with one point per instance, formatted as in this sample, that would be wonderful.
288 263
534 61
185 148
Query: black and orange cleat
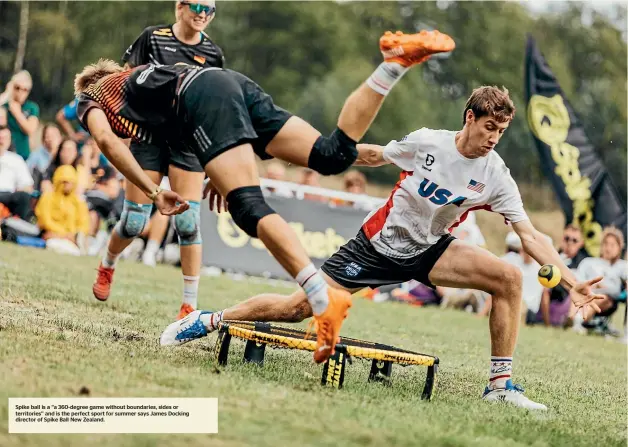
411 49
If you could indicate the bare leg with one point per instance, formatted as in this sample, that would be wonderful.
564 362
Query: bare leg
272 230
117 243
466 266
275 307
188 185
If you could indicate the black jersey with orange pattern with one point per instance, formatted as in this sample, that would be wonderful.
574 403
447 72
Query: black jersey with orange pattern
159 45
140 103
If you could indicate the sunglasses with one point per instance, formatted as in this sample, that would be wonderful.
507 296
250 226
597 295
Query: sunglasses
198 8
573 240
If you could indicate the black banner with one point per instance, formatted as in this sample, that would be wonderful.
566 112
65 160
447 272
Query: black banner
586 193
320 229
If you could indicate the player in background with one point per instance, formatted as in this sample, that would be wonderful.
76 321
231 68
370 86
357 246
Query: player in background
184 41
225 118
446 174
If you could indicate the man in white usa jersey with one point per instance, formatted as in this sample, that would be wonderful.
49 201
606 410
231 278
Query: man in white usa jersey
445 175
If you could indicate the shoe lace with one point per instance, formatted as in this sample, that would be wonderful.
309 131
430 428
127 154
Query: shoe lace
321 327
104 276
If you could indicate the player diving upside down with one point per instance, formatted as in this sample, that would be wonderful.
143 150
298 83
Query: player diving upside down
225 119
445 175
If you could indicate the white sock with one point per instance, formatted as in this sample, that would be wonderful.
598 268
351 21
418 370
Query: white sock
385 77
315 288
212 320
110 260
500 372
152 247
190 290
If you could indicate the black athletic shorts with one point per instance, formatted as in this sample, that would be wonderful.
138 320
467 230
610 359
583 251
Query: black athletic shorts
266 117
157 157
357 264
213 113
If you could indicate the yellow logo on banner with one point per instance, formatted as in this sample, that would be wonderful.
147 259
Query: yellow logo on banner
549 120
317 244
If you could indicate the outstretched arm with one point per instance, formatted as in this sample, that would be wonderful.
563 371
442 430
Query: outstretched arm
538 246
370 155
120 156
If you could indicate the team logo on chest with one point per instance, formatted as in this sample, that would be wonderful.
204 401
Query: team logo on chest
438 196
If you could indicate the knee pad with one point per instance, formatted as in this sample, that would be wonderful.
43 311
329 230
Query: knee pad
247 207
133 219
188 225
334 154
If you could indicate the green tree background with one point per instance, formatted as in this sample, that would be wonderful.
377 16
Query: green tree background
311 55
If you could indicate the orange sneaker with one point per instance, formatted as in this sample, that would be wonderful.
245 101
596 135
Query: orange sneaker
411 49
329 322
102 286
185 310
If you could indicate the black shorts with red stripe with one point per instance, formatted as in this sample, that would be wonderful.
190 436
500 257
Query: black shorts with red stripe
357 264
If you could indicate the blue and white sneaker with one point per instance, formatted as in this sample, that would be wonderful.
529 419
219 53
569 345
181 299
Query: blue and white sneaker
187 329
512 394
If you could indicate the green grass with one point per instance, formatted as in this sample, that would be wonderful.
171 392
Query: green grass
56 338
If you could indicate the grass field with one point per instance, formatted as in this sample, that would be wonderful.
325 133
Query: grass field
55 339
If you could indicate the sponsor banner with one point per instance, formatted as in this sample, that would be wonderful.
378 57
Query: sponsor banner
584 188
321 229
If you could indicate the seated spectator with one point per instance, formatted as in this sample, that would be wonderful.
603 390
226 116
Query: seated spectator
67 119
556 303
354 183
613 269
39 160
23 113
468 230
310 177
16 182
68 155
276 171
62 215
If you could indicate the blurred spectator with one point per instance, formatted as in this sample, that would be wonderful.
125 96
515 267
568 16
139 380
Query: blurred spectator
276 171
310 177
40 158
469 231
65 116
354 183
23 113
68 155
613 269
556 303
16 182
61 214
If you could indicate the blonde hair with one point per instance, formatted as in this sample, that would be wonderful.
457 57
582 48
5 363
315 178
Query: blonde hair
615 232
93 73
490 101
23 76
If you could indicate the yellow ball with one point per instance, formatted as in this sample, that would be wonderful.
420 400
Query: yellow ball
549 276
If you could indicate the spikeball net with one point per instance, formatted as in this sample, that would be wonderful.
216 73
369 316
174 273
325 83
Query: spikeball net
259 335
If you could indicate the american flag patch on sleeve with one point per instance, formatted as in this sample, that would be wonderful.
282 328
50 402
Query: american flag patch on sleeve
476 186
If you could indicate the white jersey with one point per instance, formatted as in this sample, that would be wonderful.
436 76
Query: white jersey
436 191
614 274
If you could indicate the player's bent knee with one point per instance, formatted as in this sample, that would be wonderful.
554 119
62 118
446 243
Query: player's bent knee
188 225
247 207
512 279
133 219
334 154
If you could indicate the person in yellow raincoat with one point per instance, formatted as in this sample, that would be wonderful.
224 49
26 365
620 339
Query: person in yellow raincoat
62 214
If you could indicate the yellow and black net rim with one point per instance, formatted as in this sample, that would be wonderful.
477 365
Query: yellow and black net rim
260 335
284 337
